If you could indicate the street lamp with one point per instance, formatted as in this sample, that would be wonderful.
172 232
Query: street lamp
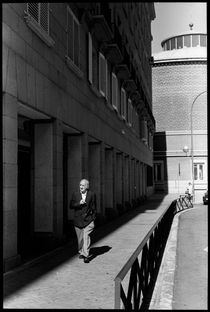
192 151
186 149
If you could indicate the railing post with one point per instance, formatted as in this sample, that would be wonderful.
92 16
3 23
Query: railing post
117 293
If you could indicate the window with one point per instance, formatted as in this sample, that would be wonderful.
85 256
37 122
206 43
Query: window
90 58
179 42
130 112
187 41
173 44
198 172
149 176
73 35
168 45
158 171
123 103
95 61
114 91
195 40
144 130
203 41
40 13
102 75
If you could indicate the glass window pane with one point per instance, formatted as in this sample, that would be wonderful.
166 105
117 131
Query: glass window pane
187 41
90 58
76 44
167 45
195 40
195 172
179 42
203 41
114 90
173 44
200 172
70 36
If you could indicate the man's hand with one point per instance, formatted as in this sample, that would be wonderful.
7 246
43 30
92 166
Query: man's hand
82 202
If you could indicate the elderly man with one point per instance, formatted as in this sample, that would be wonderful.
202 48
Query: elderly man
84 204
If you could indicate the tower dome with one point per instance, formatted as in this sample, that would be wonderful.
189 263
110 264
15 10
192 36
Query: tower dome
189 45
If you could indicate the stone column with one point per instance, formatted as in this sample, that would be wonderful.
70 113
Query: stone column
132 175
58 217
10 150
137 180
109 179
119 179
94 168
126 179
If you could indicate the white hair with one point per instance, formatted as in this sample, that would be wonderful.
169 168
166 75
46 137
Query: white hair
86 182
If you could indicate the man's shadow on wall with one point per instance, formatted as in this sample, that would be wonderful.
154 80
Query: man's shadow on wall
97 251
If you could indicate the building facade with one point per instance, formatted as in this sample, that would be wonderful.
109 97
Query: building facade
77 103
180 108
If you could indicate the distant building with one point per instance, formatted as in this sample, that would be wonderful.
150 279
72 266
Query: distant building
179 76
77 103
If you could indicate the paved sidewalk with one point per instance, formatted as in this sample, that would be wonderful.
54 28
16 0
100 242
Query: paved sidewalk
61 280
182 282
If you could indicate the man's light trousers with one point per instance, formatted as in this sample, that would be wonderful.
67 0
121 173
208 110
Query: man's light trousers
83 239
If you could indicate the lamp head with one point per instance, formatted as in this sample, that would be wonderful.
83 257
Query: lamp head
186 149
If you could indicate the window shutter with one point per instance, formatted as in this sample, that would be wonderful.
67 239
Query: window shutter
70 35
33 10
44 16
102 74
90 58
114 91
130 112
40 13
123 103
76 43
73 38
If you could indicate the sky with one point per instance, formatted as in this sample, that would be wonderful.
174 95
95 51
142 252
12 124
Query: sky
173 18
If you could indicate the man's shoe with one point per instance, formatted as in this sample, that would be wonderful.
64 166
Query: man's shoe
81 257
86 260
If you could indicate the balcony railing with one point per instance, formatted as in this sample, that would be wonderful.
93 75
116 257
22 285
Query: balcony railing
143 266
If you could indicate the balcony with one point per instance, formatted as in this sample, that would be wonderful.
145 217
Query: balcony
136 98
101 28
122 71
101 23
112 53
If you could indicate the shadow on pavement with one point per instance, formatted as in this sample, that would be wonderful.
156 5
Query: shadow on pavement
28 273
97 251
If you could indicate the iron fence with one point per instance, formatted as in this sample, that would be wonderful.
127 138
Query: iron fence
143 266
184 202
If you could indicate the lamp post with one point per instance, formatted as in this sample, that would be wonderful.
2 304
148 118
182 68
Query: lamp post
191 133
185 150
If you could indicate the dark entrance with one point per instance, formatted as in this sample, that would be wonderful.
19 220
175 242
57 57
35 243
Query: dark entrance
68 227
65 187
24 196
24 187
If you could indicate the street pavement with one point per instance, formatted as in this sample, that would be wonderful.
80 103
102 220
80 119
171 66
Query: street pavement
61 280
183 278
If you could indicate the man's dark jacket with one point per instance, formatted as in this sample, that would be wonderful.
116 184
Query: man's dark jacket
85 213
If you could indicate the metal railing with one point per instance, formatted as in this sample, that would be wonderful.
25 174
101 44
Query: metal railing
143 265
184 202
